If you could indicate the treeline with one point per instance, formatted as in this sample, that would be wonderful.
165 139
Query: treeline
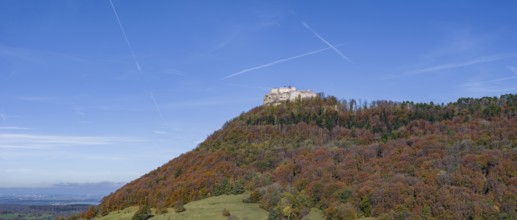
383 159
380 116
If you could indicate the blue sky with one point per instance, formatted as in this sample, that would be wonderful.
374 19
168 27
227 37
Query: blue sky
79 103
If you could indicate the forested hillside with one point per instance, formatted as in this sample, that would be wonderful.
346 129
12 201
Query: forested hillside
382 159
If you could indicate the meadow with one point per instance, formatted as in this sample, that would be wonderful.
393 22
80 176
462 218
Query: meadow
210 208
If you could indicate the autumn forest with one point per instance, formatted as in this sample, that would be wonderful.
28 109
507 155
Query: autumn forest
384 159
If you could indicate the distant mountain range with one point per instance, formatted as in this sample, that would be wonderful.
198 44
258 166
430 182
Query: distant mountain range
64 193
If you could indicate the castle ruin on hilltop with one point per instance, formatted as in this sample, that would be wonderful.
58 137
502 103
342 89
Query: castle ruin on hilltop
278 95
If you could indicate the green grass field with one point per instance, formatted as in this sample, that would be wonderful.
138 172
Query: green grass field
121 214
210 208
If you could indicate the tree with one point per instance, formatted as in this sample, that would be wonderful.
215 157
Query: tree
366 206
178 207
90 213
387 158
341 211
143 213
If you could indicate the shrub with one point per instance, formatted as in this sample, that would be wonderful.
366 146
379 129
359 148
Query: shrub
178 207
143 213
226 212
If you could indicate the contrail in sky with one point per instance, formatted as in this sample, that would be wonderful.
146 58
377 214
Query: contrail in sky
125 37
156 105
489 81
327 43
277 62
485 59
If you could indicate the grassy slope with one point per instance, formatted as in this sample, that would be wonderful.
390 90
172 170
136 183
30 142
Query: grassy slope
211 208
127 213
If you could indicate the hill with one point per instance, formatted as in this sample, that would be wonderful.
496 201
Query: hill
383 159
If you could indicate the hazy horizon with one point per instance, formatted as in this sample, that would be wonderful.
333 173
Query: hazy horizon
94 91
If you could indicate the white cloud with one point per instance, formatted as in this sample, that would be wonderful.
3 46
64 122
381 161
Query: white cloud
38 57
161 132
14 128
32 141
44 99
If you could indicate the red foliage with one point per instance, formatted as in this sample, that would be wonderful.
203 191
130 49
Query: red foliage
394 159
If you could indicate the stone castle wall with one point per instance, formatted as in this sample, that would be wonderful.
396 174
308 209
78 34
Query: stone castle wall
278 95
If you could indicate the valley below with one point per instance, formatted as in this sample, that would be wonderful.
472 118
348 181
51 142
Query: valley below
60 200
